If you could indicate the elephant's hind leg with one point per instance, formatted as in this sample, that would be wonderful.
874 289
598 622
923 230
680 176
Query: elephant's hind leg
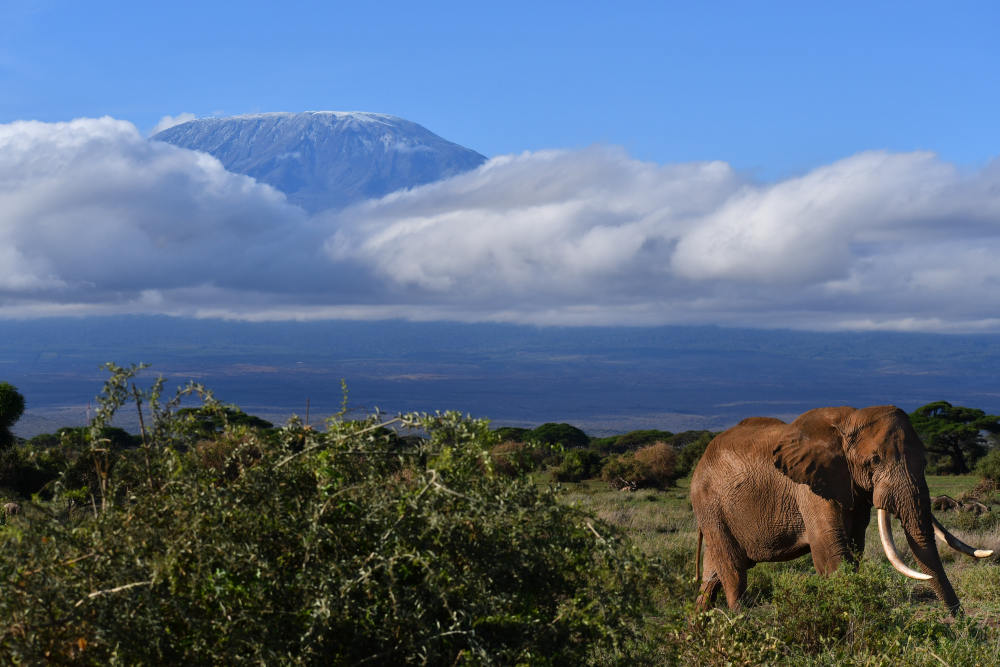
725 566
734 582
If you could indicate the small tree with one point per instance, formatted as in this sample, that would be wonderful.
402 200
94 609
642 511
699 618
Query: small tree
953 435
566 435
578 464
11 409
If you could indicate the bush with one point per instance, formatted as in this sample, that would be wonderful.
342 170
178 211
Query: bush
336 547
210 420
650 467
235 449
513 433
973 522
660 459
985 491
630 441
989 466
517 458
25 471
577 465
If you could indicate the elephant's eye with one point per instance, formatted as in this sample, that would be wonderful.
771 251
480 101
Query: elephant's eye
876 459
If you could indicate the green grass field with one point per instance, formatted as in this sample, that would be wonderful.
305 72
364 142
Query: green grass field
792 616
952 485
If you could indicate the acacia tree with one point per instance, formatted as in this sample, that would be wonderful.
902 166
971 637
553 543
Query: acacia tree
953 435
566 435
11 409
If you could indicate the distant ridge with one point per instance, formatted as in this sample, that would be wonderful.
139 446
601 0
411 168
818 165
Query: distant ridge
326 159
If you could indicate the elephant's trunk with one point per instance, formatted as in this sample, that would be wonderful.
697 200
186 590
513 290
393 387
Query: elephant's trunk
920 536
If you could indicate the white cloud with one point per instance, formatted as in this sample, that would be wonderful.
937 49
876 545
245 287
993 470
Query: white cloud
169 121
902 239
534 225
96 219
92 212
802 229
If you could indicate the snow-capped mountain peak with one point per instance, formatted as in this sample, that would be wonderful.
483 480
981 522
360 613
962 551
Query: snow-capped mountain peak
326 159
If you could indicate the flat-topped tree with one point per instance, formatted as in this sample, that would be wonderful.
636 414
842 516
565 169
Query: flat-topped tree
953 435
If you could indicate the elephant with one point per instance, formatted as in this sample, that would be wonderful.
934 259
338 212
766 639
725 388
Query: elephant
766 490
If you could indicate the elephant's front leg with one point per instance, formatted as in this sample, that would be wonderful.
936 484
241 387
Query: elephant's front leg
857 520
825 529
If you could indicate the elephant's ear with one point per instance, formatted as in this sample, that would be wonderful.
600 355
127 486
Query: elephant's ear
815 456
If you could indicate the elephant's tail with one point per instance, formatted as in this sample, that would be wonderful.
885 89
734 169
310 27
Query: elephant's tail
697 559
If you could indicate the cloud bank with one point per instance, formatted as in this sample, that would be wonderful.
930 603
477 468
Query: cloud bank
94 218
874 241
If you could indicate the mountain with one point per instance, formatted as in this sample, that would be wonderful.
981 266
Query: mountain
326 159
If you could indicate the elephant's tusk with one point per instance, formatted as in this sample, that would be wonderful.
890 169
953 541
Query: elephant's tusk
885 534
958 545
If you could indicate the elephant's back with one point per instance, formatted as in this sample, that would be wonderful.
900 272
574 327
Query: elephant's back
736 460
746 444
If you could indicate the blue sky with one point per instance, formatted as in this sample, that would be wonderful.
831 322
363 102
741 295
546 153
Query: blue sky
767 164
774 89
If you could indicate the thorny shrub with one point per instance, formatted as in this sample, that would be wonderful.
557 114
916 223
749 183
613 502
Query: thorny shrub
346 546
652 466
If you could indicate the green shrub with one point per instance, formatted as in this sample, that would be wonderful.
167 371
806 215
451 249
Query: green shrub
621 472
208 421
577 465
512 433
989 466
517 458
25 471
971 522
630 441
231 452
336 547
636 439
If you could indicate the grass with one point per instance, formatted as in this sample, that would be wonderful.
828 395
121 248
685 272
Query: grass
870 617
950 485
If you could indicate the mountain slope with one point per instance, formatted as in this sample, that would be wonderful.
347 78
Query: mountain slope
326 159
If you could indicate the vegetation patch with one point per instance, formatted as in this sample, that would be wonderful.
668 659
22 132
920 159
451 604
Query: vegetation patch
213 537
295 546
